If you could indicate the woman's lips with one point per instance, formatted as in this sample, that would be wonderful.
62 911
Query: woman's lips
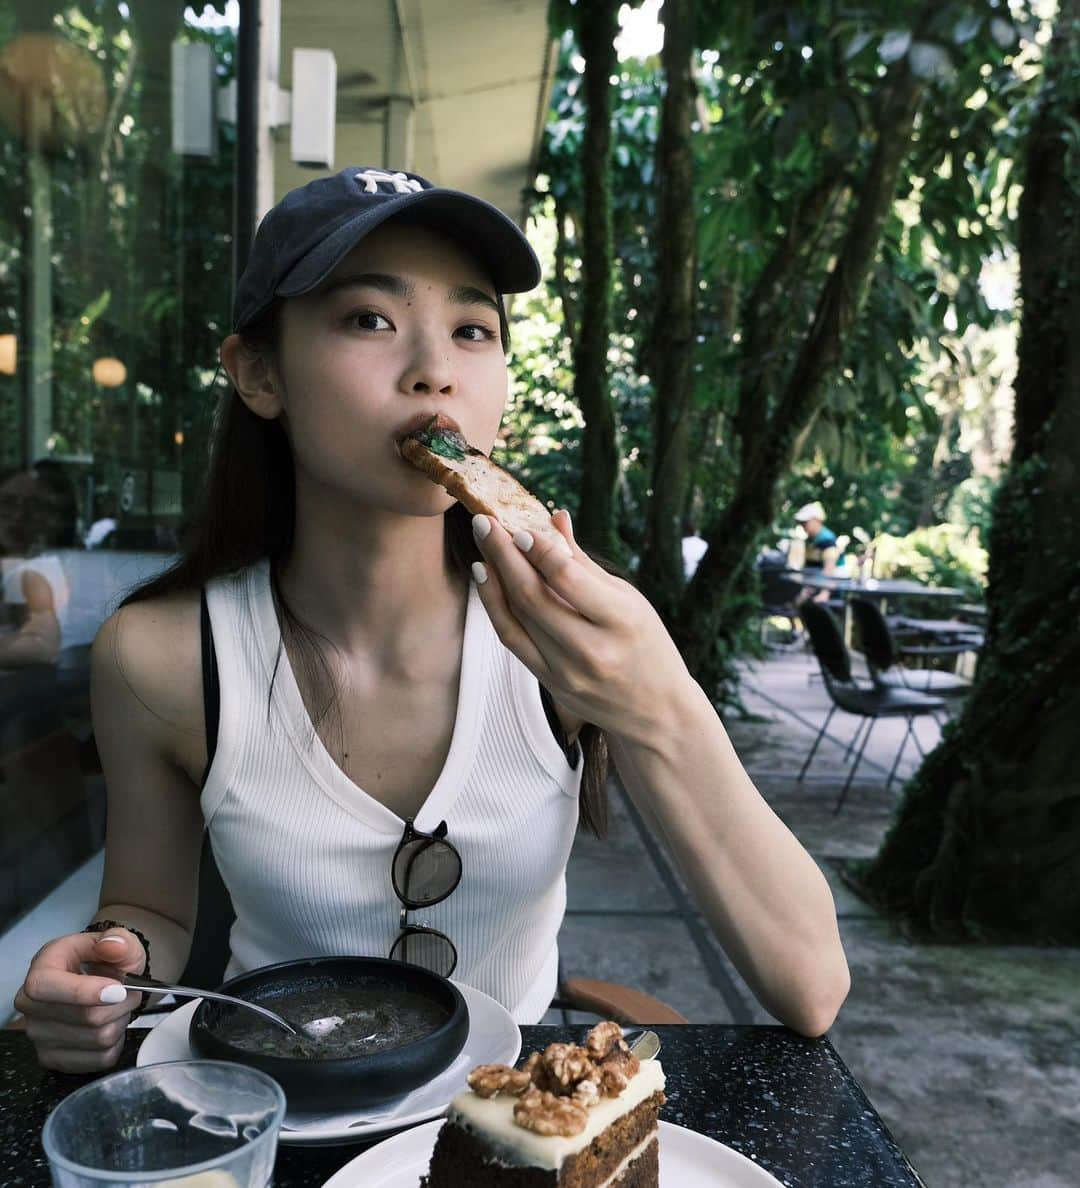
418 421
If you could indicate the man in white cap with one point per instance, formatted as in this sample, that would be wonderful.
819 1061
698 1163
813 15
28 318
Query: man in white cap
821 551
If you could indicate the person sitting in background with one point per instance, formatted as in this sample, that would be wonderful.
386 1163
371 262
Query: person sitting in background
39 760
693 549
821 549
37 516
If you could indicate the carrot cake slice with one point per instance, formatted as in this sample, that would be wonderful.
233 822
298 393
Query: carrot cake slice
571 1116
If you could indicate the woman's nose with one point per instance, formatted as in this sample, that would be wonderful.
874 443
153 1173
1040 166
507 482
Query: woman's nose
429 370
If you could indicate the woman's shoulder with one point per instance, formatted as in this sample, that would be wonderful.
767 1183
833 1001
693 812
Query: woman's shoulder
146 656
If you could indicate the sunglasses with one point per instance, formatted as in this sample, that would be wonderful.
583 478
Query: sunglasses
425 870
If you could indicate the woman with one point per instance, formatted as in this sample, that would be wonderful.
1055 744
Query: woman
37 516
369 687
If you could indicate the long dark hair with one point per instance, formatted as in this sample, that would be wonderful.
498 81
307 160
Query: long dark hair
247 511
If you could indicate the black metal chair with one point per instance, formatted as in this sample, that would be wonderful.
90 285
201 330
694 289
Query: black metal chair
882 657
869 702
778 593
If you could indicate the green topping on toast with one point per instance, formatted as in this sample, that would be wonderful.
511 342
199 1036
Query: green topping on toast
444 442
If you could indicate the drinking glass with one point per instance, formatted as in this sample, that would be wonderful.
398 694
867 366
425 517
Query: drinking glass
184 1124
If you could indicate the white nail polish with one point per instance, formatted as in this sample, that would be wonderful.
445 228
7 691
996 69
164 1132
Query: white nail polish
523 540
481 526
113 994
479 572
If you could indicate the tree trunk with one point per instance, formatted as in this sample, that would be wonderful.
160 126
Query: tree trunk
562 281
987 841
712 464
719 598
595 526
671 353
767 313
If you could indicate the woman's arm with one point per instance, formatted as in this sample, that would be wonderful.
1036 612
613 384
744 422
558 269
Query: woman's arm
146 705
145 698
763 895
38 640
604 654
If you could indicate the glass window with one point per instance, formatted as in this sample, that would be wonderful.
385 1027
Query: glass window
116 170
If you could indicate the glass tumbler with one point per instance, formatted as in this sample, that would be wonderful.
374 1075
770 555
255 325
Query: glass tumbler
184 1124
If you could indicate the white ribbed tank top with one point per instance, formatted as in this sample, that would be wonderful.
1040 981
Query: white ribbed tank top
305 852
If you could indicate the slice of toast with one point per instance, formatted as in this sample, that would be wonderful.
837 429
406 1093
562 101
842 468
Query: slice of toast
481 485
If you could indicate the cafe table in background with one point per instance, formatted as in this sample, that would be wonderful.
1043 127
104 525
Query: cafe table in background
786 1102
880 590
877 588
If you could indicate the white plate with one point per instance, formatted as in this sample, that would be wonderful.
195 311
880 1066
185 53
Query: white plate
494 1038
687 1160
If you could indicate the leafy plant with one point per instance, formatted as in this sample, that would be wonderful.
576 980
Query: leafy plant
944 555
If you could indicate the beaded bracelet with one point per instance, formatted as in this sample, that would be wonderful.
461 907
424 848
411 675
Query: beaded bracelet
104 926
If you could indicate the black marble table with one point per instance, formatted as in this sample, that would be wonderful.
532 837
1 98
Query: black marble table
788 1103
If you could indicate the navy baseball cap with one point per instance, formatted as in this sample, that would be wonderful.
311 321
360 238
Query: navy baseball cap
302 239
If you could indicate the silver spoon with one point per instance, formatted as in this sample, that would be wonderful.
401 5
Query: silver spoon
644 1044
138 982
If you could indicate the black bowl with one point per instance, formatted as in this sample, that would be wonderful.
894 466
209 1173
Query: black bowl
340 1083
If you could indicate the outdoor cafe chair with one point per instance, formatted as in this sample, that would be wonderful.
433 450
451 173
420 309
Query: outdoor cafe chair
608 1000
869 702
883 656
778 594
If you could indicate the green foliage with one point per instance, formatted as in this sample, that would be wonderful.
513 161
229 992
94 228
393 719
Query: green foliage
972 504
540 435
877 490
801 114
945 555
788 101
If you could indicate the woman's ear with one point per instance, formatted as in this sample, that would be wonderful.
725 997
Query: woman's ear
253 376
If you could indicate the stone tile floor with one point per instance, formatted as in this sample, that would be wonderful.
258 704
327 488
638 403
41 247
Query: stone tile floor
970 1054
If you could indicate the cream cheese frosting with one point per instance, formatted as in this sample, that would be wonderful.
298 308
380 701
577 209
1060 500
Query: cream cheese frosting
493 1117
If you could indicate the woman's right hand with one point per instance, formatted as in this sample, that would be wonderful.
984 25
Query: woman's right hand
76 1010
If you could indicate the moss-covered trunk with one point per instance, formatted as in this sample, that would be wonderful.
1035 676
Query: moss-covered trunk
987 841
595 526
671 351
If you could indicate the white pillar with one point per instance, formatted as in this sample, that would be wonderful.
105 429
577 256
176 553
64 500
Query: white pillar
401 96
398 134
268 88
39 405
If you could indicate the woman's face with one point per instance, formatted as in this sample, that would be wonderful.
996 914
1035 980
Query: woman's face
405 327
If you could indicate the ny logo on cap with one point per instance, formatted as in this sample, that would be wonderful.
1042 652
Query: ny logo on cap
373 178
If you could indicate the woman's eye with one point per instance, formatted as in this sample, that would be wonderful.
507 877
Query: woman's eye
476 333
369 321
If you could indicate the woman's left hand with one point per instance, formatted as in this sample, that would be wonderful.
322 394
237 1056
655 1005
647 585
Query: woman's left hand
592 640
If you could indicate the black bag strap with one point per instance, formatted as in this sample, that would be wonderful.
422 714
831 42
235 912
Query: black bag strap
570 749
210 684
